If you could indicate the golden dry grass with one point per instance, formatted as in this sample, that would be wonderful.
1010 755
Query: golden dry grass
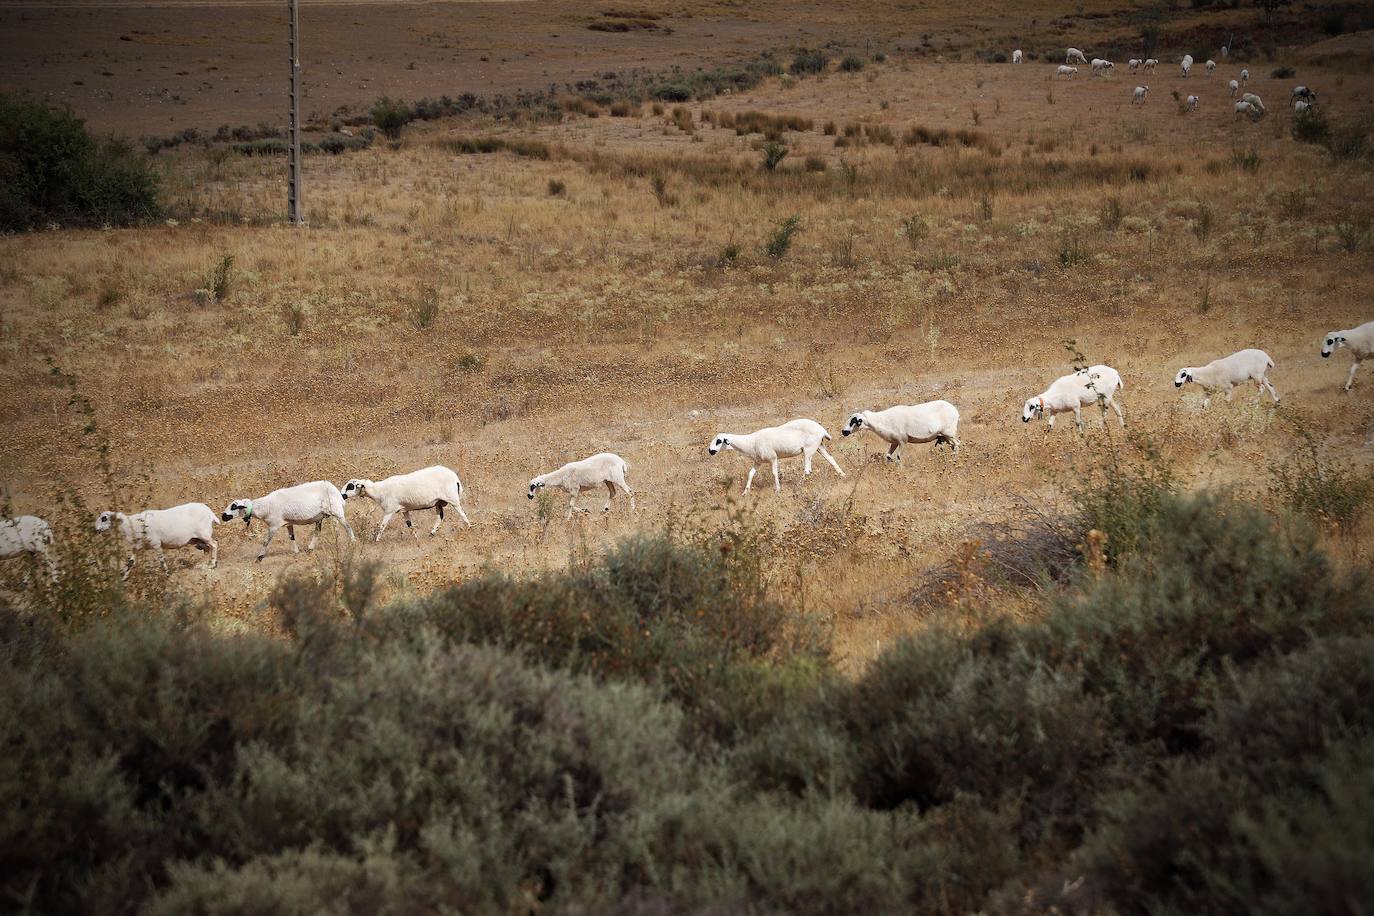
605 318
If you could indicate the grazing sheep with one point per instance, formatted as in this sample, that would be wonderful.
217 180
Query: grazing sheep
933 421
1016 56
304 504
1211 66
1244 77
1360 341
1302 92
1185 65
1193 102
1229 371
1225 51
1073 54
796 437
1094 385
1138 97
430 488
605 469
29 534
188 525
1254 100
1235 87
1245 108
1066 72
1133 65
1150 64
1301 107
1100 66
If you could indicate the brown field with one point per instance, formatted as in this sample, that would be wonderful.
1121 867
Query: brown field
607 316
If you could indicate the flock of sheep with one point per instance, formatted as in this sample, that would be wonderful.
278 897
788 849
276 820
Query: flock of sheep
1251 105
438 488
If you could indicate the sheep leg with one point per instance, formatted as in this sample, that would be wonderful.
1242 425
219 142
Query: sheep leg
1350 380
271 533
405 513
1270 385
1230 390
892 452
631 493
314 538
461 514
826 455
777 480
343 520
1078 416
573 506
161 557
749 481
438 518
214 553
610 495
291 533
1119 415
806 463
386 519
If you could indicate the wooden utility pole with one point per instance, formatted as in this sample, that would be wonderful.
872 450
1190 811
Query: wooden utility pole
293 155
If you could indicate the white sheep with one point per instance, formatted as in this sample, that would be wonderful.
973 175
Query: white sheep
1302 92
1066 72
1226 373
1211 66
1244 77
430 488
1138 97
28 535
187 525
1254 100
1133 65
1073 54
1193 102
1300 107
1235 87
933 421
1016 56
1245 108
1094 385
796 437
304 504
1360 341
1101 66
1150 64
1185 65
604 469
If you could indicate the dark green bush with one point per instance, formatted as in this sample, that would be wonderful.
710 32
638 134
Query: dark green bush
851 64
390 116
53 170
808 61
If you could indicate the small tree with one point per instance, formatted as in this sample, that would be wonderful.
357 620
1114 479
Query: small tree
390 116
773 154
1269 6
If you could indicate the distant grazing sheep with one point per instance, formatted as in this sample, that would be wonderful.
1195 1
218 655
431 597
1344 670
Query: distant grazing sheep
1235 87
26 535
1066 72
1016 56
1185 65
1250 111
1193 102
1211 66
796 437
1302 92
1150 64
1138 97
1101 66
1073 54
1094 385
933 421
1133 65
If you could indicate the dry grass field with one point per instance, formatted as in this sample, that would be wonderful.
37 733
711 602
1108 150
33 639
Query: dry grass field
503 313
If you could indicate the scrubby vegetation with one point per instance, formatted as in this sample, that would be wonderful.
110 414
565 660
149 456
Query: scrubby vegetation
53 171
1184 728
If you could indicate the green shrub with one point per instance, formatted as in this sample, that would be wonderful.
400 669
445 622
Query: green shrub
808 61
390 117
781 239
1323 488
1312 127
773 154
851 64
53 170
1283 73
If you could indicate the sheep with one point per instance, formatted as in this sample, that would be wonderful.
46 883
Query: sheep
1245 108
1150 64
187 525
1096 384
1360 341
27 534
1300 107
1138 97
1185 65
1211 66
604 469
1235 87
1066 72
796 437
304 504
1254 100
1016 56
1193 101
1244 77
1073 54
1100 66
1302 92
1133 65
933 421
430 488
1228 372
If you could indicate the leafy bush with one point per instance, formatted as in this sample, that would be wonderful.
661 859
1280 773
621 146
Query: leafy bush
851 64
1322 488
781 239
391 116
1312 127
773 154
808 61
53 170
1283 73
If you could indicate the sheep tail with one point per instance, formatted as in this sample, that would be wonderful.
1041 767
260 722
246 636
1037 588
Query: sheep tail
825 435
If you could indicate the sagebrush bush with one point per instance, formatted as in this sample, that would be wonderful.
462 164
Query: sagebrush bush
390 116
53 170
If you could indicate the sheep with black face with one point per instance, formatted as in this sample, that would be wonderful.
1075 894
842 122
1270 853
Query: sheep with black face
429 488
933 421
602 470
1360 341
304 504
